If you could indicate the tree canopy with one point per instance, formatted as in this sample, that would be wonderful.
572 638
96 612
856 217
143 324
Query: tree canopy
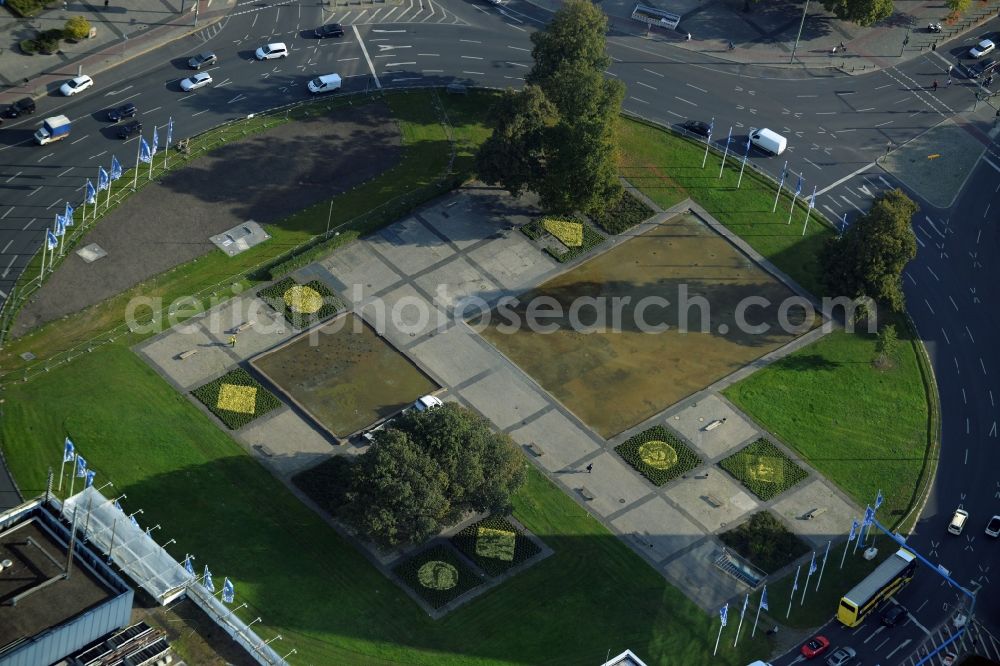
869 258
862 12
557 135
428 468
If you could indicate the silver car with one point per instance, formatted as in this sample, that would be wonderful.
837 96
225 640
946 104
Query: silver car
841 656
199 80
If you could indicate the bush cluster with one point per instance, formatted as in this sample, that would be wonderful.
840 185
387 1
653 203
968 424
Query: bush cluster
208 394
623 214
763 469
274 296
764 541
467 541
631 451
591 239
409 571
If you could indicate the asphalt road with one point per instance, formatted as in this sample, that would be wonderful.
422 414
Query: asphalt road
836 125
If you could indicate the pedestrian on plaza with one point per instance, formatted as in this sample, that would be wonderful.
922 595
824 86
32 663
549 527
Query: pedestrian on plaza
948 83
843 47
688 37
950 67
590 468
232 340
934 85
105 4
732 46
834 51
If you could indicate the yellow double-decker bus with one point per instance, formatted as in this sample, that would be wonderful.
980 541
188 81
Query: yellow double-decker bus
887 579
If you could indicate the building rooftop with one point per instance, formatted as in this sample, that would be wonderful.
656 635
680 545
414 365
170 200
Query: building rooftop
36 556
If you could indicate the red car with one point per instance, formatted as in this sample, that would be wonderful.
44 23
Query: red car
815 646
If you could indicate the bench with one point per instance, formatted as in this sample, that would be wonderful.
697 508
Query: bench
809 515
714 424
535 450
244 326
586 494
264 450
713 500
187 354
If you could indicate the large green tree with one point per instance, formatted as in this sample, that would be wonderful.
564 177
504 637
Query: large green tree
428 468
862 12
557 136
869 258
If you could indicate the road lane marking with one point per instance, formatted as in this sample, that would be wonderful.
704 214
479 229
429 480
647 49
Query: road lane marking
515 64
79 140
14 176
364 51
697 88
473 41
397 64
45 157
518 48
30 222
65 172
471 57
639 100
646 85
681 99
654 73
94 157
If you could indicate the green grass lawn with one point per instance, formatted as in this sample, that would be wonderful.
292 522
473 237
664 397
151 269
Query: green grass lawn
591 596
862 428
667 169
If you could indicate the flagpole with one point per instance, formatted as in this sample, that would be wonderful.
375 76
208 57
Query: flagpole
754 630
809 208
62 237
726 152
708 142
791 210
62 468
85 205
780 184
151 156
72 478
794 587
41 277
740 625
823 568
742 166
809 574
844 556
138 147
717 639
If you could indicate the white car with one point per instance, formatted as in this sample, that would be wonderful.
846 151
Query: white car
841 656
982 48
427 403
199 80
272 51
993 527
73 86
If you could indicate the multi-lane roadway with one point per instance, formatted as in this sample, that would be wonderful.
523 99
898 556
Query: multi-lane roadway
837 127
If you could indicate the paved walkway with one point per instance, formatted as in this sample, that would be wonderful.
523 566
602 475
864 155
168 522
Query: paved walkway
468 246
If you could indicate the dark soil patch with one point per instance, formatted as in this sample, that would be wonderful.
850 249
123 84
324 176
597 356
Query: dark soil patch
265 178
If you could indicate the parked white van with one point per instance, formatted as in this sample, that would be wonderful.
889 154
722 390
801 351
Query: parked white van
769 141
325 83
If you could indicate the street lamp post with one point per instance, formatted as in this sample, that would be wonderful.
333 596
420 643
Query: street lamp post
801 25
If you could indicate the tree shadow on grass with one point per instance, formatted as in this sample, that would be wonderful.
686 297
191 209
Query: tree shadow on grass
808 363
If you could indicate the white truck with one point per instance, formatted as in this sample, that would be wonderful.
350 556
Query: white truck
55 128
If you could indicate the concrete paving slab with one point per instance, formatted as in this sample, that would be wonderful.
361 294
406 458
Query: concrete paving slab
287 443
359 272
454 355
456 281
703 583
402 316
613 484
410 246
658 528
457 221
699 497
691 421
268 328
504 397
210 361
512 259
561 441
836 519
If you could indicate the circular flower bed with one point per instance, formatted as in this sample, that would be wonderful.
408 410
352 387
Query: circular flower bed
658 454
303 300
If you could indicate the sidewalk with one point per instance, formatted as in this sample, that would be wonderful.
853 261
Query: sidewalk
122 33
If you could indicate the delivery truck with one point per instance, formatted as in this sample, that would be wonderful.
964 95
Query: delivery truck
52 129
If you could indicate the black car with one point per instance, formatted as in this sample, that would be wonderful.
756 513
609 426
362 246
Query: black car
894 615
20 107
128 130
697 127
123 111
329 30
203 60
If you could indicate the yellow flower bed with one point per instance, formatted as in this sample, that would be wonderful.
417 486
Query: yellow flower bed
766 468
494 543
304 300
438 575
658 454
236 398
570 233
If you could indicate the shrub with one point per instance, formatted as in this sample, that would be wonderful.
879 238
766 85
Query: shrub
495 545
26 8
658 455
302 305
763 469
28 46
48 41
236 398
623 214
437 575
764 541
536 229
77 27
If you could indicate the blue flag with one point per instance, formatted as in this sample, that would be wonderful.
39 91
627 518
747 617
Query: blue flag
843 224
207 580
60 225
69 451
81 467
170 131
854 531
90 478
116 168
869 516
118 506
798 188
747 147
724 614
103 181
144 154
878 498
156 141
51 240
91 192
812 564
812 199
228 591
134 522
188 566
68 215
763 599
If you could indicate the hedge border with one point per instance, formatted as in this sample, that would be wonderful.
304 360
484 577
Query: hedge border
687 459
407 572
208 395
736 468
524 548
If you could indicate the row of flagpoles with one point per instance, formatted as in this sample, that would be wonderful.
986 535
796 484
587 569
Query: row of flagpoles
781 183
56 236
858 534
